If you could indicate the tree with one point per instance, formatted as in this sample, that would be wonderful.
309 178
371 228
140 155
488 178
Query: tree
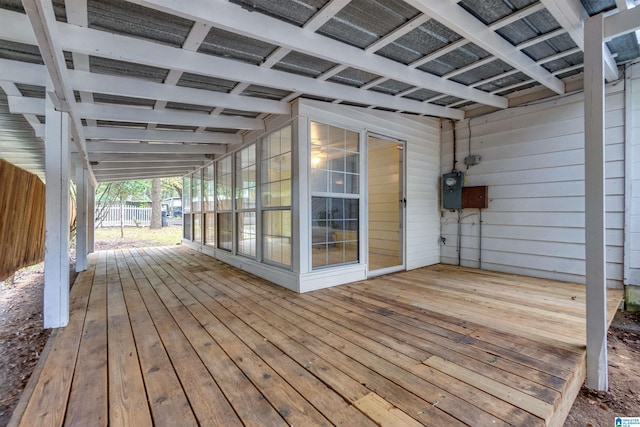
156 204
118 192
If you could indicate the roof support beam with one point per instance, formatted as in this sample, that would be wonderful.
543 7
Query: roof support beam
129 177
622 23
595 205
124 147
472 29
43 22
115 166
136 172
107 45
136 157
570 15
127 134
233 18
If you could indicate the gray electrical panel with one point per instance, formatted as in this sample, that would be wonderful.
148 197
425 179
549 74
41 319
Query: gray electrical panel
452 190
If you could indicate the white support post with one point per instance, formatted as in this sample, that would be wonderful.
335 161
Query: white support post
91 219
56 254
82 185
595 208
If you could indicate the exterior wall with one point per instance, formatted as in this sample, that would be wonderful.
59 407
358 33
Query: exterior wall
422 137
533 163
633 173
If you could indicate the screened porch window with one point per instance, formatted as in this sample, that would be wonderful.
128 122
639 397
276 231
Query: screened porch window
224 205
335 195
246 201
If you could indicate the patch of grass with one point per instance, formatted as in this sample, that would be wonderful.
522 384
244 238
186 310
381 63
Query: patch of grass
137 237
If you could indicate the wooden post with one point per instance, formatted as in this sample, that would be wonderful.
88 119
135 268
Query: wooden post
56 253
91 219
82 185
595 208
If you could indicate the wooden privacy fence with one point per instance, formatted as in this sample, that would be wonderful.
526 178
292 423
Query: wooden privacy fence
22 210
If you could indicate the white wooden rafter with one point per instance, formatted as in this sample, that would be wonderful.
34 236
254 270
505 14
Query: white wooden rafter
472 29
233 18
42 22
129 134
570 15
132 147
107 45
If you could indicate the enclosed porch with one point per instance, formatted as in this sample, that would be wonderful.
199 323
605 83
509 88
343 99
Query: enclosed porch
169 336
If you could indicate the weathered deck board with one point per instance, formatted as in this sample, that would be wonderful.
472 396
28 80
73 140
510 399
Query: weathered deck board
168 336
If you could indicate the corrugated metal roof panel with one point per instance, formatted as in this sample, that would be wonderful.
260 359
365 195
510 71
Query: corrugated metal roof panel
123 17
626 47
550 47
504 82
465 55
123 100
490 11
16 6
18 143
222 130
532 26
20 52
519 88
594 7
175 127
297 12
242 113
235 46
188 107
122 68
565 62
265 92
317 98
446 100
302 64
391 87
198 81
131 125
31 91
354 77
362 22
423 40
486 71
422 94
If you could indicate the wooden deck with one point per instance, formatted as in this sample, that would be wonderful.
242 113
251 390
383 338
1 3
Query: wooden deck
168 336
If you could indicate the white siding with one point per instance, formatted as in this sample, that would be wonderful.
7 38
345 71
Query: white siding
533 163
633 170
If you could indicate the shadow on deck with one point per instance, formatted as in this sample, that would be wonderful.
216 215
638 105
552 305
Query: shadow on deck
168 336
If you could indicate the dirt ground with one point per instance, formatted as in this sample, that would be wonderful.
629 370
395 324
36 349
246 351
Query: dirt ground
22 339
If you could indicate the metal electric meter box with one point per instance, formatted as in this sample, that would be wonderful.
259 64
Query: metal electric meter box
452 190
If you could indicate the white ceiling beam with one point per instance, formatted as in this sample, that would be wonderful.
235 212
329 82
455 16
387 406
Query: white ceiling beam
138 88
108 45
143 172
570 14
146 157
10 89
127 134
233 18
132 177
621 23
41 18
35 74
516 16
121 113
132 147
173 117
472 29
114 166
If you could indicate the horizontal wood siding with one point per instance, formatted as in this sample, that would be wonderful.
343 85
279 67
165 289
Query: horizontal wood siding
634 186
533 163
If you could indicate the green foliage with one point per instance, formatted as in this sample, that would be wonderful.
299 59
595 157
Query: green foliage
112 192
171 187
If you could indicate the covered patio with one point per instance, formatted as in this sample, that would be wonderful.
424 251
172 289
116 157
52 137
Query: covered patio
169 336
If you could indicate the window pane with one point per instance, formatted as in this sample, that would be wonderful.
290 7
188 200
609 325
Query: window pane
247 233
276 236
208 188
186 194
196 191
223 184
225 231
334 231
246 178
186 229
197 230
210 229
276 169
